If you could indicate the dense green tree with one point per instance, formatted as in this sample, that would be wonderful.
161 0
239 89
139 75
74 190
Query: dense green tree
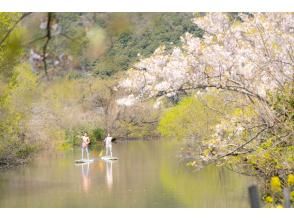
146 32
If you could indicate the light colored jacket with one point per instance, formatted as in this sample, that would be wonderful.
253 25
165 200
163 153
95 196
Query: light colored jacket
107 141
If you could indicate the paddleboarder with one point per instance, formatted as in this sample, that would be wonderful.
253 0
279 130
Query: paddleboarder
85 144
108 145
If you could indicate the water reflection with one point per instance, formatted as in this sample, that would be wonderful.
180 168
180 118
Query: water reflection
86 180
104 168
147 175
109 175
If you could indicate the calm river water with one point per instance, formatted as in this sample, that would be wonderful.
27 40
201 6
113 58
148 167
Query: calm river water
147 174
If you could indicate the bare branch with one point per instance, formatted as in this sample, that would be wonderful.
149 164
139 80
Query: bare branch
243 145
48 35
37 39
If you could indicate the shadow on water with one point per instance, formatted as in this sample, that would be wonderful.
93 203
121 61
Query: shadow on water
147 174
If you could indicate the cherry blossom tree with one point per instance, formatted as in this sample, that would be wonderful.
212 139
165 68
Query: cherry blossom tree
251 56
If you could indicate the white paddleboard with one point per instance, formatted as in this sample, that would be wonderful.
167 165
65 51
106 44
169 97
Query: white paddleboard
84 161
109 158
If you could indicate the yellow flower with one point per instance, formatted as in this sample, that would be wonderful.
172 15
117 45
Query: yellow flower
291 179
276 184
268 199
279 206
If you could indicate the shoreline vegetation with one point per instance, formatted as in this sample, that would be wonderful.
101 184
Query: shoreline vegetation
143 75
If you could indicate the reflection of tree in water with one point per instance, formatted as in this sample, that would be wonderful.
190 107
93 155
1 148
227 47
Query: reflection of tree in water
212 186
86 181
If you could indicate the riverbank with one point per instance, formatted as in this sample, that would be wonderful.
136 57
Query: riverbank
8 164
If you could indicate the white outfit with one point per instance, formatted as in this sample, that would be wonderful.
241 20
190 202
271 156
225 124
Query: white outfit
108 145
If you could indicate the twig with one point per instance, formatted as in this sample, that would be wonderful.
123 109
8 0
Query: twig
37 39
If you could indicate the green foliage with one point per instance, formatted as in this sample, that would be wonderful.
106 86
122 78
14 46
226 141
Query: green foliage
99 134
142 34
11 49
190 117
269 154
15 105
274 153
72 138
292 196
136 129
139 121
68 108
246 111
75 38
96 43
25 151
282 101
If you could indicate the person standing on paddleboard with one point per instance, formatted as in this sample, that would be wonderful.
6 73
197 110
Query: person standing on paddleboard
85 145
108 145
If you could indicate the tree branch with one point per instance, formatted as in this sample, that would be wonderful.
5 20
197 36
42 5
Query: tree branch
13 27
35 40
241 146
48 36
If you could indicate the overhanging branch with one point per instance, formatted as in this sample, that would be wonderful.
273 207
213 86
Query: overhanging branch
13 27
